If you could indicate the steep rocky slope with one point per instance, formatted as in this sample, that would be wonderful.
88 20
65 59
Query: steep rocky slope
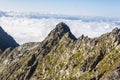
61 56
6 40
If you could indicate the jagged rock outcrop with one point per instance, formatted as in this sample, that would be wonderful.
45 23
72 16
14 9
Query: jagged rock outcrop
6 40
61 56
114 75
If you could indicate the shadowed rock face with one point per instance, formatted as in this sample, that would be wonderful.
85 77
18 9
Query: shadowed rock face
62 56
6 40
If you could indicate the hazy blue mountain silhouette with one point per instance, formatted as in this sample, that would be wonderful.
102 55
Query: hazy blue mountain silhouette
6 40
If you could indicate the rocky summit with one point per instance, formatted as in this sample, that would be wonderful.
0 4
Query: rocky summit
62 56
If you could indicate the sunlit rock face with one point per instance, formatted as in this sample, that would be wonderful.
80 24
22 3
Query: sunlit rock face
61 56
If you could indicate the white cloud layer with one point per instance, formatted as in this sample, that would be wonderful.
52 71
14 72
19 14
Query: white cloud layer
25 29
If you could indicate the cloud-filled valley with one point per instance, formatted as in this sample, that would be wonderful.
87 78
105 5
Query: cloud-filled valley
35 27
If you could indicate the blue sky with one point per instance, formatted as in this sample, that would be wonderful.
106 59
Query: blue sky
109 8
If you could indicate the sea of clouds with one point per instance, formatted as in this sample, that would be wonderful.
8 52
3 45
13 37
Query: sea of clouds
34 27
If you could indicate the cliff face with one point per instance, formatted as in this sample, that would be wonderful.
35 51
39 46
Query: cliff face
61 56
6 40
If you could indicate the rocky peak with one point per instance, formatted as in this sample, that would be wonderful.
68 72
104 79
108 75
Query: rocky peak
115 35
62 27
60 30
6 40
115 30
55 36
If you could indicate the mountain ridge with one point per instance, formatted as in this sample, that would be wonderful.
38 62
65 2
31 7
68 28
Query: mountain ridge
61 56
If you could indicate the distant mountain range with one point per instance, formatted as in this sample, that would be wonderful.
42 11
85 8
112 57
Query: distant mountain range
62 56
